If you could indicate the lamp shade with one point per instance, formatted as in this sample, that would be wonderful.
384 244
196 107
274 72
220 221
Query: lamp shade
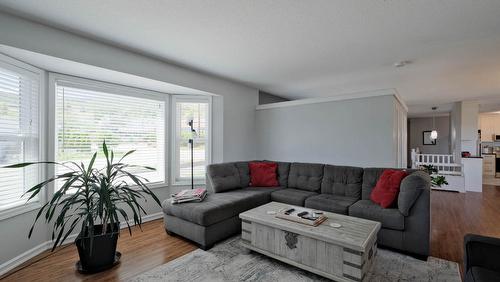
434 135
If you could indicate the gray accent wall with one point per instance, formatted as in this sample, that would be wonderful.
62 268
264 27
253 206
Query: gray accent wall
357 132
443 142
268 98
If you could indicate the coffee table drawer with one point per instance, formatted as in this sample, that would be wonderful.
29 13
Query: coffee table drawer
309 251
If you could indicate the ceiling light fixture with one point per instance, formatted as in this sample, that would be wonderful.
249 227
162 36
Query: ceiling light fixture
402 63
434 133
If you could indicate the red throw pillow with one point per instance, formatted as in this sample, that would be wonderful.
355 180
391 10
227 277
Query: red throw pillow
386 191
263 174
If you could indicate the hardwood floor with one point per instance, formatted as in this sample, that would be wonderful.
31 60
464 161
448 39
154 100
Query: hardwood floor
140 252
453 215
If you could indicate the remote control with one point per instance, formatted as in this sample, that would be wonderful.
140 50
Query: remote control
288 212
301 214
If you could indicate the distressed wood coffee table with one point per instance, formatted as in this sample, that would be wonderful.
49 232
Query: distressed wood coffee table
342 254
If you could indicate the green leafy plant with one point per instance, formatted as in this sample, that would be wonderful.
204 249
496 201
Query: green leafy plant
436 180
90 196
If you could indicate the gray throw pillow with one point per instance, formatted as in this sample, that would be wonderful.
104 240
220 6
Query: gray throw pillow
410 190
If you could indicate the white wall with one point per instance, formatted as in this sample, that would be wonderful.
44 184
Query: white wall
357 132
237 104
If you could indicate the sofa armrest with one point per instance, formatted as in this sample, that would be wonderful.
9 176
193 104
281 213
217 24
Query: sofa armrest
410 190
481 251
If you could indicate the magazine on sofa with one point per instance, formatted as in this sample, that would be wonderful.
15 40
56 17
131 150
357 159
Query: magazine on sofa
189 195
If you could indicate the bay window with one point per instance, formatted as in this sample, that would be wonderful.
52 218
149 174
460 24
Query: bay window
19 132
89 112
82 113
197 110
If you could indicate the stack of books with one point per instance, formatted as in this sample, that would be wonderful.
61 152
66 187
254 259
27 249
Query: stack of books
189 195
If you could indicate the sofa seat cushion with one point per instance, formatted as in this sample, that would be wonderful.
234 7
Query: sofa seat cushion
477 274
390 218
330 203
290 196
220 206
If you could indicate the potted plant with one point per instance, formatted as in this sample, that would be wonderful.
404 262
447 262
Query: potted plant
436 179
93 199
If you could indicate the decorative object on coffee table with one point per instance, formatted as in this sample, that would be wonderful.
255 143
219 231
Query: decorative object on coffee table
295 216
342 254
93 198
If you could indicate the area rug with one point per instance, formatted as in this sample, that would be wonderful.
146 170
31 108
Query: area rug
229 261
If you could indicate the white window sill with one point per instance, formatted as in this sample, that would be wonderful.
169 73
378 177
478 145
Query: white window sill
188 182
153 186
15 211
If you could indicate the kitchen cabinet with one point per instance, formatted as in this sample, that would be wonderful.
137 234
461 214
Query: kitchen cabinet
489 164
489 125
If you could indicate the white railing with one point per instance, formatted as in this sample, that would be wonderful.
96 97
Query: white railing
445 164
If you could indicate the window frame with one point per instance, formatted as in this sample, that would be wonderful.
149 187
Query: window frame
173 116
39 75
111 88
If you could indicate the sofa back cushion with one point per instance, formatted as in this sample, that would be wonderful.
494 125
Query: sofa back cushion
305 176
263 174
370 179
244 172
223 177
283 172
342 181
386 192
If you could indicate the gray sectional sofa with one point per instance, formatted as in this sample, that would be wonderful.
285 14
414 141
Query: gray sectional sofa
339 189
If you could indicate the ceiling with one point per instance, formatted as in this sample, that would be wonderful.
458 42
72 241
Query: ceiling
304 49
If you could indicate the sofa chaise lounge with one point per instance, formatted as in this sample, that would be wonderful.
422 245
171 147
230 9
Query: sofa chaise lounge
339 189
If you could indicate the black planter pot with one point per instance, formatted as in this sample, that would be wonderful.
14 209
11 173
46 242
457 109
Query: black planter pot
102 254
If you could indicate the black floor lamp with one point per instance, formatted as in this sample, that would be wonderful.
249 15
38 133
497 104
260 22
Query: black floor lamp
191 141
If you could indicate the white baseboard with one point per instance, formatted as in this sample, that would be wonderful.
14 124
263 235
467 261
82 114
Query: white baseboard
33 252
145 218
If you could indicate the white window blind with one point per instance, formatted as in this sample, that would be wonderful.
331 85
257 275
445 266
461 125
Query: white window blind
199 111
19 133
85 117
